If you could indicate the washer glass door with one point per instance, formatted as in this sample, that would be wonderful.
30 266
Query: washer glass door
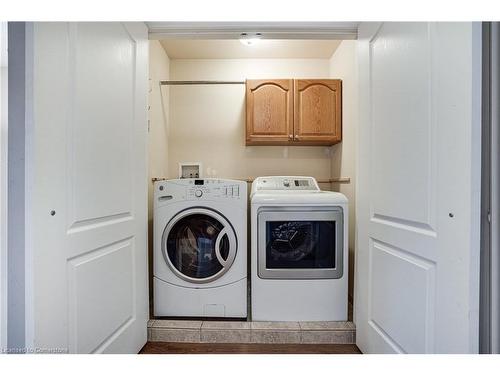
199 245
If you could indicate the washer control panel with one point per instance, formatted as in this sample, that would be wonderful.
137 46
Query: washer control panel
212 188
201 189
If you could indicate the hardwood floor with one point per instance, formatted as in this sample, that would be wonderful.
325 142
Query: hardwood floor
208 348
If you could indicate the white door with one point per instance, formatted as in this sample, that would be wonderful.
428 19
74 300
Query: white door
86 248
417 260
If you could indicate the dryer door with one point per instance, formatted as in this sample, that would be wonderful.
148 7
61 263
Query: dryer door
300 243
199 245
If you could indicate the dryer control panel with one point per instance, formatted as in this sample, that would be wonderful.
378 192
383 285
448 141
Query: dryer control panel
294 183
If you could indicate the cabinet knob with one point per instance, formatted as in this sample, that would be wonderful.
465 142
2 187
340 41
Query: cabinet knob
290 136
296 137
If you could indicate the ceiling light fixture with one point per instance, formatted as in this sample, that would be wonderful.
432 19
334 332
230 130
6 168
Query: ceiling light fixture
250 39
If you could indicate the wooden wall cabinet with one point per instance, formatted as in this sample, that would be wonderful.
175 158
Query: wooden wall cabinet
294 112
269 111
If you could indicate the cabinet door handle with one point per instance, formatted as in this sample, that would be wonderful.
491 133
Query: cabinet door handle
296 137
291 137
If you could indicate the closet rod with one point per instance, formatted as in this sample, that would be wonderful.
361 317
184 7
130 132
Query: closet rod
170 83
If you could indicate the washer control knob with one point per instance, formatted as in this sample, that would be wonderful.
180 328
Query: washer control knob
198 193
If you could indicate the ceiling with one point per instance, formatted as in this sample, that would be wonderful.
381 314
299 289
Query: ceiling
233 49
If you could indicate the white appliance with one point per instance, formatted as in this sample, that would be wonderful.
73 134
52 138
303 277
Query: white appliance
299 251
200 248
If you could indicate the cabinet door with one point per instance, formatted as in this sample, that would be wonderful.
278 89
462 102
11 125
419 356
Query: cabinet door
269 111
318 111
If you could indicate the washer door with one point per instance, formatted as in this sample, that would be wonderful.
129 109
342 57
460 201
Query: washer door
199 245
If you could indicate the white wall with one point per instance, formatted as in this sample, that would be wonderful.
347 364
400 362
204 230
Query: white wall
159 65
207 122
343 65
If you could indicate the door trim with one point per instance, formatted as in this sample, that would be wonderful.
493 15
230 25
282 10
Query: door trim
269 30
489 339
3 182
495 193
19 122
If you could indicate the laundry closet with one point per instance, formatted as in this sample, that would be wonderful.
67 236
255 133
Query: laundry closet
393 155
202 116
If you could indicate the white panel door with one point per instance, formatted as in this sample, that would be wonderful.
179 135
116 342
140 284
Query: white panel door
87 283
416 288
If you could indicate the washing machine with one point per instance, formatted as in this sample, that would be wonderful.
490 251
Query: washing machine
299 251
200 248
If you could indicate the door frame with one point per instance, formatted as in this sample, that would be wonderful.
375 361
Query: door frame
14 131
495 192
270 30
490 194
3 183
476 182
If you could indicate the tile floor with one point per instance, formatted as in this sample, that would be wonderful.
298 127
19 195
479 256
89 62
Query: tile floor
195 331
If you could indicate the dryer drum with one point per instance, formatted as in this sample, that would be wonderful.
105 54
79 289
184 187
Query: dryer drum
292 241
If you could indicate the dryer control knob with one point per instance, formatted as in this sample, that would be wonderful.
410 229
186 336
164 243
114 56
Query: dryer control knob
198 193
